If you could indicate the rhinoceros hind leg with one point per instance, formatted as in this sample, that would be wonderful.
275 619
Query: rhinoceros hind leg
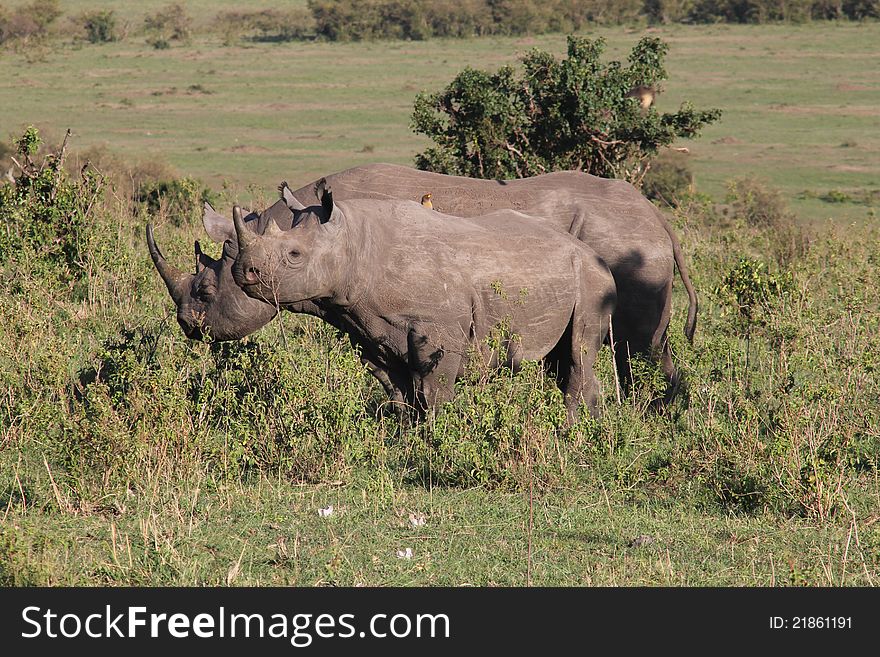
640 331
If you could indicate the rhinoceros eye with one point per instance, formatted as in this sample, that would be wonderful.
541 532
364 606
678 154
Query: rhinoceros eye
293 254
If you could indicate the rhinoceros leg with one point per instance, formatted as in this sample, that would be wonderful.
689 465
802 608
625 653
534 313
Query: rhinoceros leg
640 330
434 369
573 358
394 393
395 381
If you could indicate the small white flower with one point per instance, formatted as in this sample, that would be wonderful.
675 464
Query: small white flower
417 519
326 513
405 554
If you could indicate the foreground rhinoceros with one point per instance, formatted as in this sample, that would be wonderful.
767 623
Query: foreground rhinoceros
611 216
210 303
427 291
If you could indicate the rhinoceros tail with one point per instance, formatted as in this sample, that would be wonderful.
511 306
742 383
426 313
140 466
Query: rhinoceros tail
690 326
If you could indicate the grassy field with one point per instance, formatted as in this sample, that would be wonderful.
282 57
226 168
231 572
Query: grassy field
129 455
800 104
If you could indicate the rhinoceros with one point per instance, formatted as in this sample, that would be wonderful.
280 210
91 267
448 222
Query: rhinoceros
210 303
613 217
428 292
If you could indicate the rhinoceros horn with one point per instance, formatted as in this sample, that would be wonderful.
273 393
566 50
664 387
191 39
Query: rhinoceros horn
272 228
175 280
245 237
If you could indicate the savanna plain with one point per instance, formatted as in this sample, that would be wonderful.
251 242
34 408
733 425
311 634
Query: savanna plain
132 456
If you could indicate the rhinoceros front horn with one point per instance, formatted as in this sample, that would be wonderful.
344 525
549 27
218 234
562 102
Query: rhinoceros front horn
245 237
175 280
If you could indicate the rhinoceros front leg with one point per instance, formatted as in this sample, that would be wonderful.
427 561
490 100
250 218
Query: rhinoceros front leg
395 394
433 368
396 382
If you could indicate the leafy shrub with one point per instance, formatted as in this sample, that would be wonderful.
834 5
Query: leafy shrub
238 406
179 198
756 204
346 20
30 21
860 9
44 211
451 18
668 178
265 25
751 291
501 429
763 208
520 123
98 26
750 11
170 23
668 11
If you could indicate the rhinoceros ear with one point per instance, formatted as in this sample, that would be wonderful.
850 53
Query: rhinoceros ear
218 227
323 192
230 249
203 260
288 197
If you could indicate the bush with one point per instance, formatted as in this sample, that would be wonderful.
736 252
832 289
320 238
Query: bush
668 11
751 292
45 212
98 26
467 18
766 11
513 123
180 199
668 178
265 25
31 21
347 20
860 9
498 430
763 209
170 23
235 406
756 204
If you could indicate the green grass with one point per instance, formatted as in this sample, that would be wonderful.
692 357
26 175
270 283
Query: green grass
800 103
129 455
269 533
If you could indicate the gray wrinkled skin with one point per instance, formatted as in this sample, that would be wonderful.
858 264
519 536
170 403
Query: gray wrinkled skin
209 303
611 216
428 291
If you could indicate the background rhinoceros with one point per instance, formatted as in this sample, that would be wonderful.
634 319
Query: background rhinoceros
612 216
428 291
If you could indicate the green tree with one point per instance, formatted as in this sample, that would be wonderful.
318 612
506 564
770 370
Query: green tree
573 113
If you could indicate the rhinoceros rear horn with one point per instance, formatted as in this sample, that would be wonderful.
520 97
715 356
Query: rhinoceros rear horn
175 280
245 237
288 197
272 228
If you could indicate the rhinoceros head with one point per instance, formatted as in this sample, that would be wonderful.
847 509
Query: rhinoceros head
283 267
209 303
